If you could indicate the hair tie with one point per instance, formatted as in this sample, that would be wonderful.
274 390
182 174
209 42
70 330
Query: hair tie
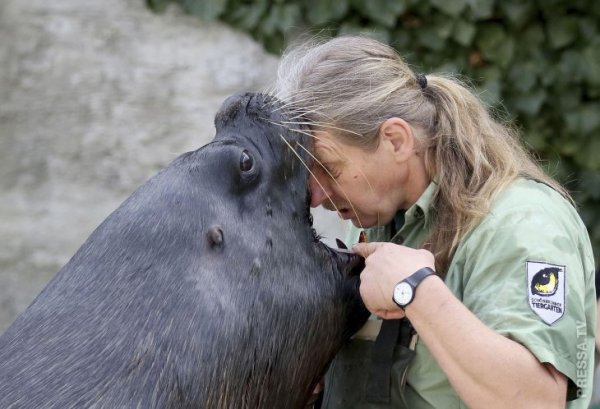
422 80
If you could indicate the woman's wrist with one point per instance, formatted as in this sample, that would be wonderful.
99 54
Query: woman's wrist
430 296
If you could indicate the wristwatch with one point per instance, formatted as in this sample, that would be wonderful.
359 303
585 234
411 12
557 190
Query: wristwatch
404 291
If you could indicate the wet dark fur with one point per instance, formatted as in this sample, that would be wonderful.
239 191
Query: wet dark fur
205 289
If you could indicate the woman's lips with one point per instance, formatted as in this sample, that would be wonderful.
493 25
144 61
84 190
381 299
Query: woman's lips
345 213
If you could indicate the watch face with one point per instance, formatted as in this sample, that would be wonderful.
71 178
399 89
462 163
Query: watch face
403 293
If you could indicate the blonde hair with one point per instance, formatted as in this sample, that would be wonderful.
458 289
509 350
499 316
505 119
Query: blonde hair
353 84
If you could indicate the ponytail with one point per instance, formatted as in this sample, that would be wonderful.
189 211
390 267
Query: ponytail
473 157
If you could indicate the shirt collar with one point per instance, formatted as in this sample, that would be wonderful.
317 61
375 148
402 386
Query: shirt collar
420 210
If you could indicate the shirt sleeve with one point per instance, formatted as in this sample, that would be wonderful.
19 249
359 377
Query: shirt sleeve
523 274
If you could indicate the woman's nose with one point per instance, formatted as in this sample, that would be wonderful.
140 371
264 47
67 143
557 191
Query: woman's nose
318 192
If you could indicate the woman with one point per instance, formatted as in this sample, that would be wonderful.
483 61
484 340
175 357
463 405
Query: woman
480 251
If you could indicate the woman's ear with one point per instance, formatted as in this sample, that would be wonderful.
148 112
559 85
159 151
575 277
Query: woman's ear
399 137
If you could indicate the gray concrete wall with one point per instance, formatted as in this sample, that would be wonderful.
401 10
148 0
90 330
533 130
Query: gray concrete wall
94 98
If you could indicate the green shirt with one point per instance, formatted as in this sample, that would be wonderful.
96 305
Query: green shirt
527 272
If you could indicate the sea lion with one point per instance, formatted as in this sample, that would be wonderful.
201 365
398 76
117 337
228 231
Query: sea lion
207 288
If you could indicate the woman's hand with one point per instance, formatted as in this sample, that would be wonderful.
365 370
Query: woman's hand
386 264
519 379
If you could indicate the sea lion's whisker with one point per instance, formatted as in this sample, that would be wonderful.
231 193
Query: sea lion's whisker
297 102
362 174
312 124
297 130
293 108
303 132
322 125
308 133
337 184
347 158
305 165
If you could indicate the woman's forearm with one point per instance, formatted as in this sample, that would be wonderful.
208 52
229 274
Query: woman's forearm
486 369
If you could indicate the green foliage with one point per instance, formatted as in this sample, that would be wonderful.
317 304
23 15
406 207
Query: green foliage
538 60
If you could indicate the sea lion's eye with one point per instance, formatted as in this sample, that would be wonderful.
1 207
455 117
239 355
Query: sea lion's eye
246 161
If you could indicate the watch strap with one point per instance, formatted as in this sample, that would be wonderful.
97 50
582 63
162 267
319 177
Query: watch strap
415 278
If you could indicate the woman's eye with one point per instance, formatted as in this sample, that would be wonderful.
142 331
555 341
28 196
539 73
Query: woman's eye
246 161
332 171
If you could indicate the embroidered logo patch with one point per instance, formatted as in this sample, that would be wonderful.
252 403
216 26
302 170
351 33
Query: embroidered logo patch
546 290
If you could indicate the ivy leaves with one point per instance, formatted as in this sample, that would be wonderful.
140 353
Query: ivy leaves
538 60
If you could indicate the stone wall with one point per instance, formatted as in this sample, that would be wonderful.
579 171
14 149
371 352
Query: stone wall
94 98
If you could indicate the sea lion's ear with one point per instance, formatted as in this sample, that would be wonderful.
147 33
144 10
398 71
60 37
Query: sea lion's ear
215 236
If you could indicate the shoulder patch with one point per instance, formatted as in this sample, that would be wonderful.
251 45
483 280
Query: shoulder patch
546 290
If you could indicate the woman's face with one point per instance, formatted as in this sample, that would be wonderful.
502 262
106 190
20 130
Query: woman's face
367 187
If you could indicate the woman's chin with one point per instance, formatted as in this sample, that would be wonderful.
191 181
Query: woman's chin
360 223
365 222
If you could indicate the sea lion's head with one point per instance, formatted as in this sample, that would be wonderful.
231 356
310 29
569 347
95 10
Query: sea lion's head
288 297
261 157
206 288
